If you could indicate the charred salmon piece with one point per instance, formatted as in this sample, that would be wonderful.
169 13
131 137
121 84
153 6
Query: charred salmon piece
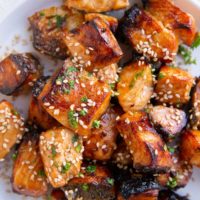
102 142
135 86
112 22
94 182
138 189
97 5
18 71
145 145
170 195
195 115
93 45
11 127
189 147
76 99
58 194
48 27
178 176
173 18
61 152
37 114
148 36
28 172
168 121
173 86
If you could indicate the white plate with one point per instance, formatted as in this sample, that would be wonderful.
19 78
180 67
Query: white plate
14 23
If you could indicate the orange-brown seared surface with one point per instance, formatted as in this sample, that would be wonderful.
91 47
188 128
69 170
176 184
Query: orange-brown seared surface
28 172
145 145
61 152
11 127
173 18
18 70
93 45
195 115
48 28
112 22
58 194
37 114
94 182
75 99
97 5
173 86
150 195
189 147
148 36
180 173
102 142
135 87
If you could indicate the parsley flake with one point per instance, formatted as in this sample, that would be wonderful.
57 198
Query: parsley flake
196 43
84 99
172 183
110 181
72 119
66 167
186 54
53 151
96 124
41 173
91 169
85 187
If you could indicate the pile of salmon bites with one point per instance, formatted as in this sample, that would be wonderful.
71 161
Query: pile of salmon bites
98 127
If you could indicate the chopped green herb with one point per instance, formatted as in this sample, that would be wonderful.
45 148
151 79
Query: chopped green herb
53 151
91 169
84 99
59 80
78 148
72 119
196 43
85 187
171 149
89 74
137 75
71 69
172 183
66 167
42 14
80 174
83 113
41 173
14 112
161 75
59 21
112 86
66 91
71 84
110 181
14 156
96 124
186 54
75 138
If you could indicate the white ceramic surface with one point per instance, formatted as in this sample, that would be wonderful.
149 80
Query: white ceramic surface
14 36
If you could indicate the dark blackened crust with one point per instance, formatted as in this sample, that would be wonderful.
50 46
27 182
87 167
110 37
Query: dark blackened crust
58 194
170 195
98 185
18 70
38 85
137 186
145 3
130 18
48 45
27 61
